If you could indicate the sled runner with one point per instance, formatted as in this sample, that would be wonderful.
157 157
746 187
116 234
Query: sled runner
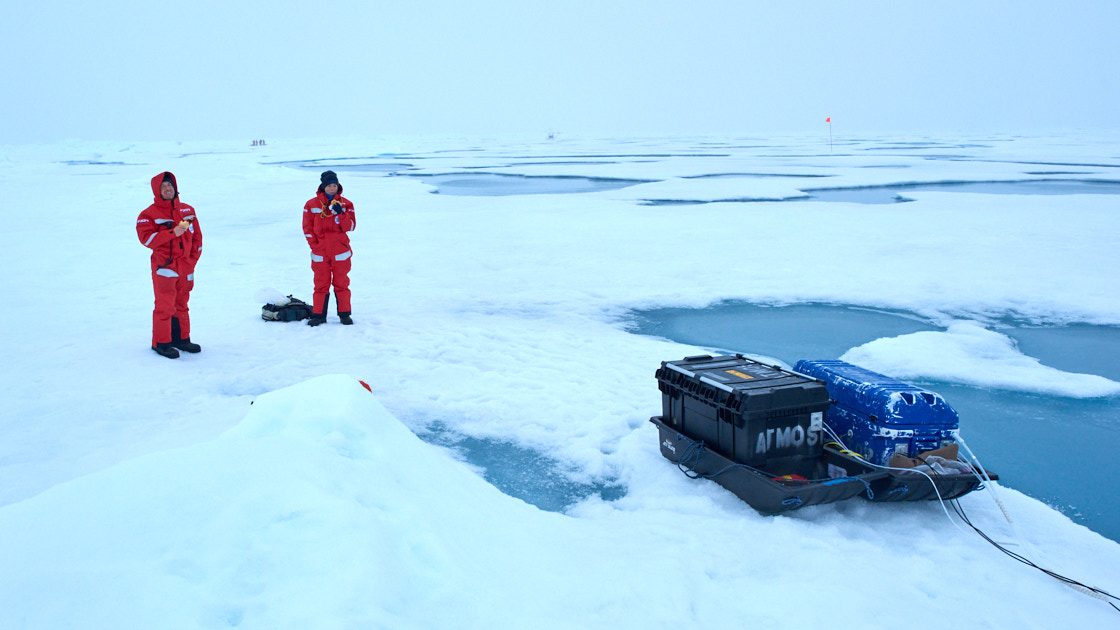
765 491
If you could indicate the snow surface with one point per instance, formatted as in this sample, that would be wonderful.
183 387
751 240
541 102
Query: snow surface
258 485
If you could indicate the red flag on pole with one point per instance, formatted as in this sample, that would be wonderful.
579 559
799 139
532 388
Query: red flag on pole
828 120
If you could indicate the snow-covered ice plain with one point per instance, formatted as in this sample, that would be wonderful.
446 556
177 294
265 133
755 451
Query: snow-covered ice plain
259 485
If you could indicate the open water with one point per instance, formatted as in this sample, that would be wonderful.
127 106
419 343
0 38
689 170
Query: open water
520 472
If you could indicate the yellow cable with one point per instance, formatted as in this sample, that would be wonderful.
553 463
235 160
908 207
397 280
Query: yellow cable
840 447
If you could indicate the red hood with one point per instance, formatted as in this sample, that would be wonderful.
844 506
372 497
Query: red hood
158 179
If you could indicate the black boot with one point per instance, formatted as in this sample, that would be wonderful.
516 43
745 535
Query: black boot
178 342
186 346
166 350
345 318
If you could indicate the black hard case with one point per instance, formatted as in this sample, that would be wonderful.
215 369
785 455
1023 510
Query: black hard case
751 413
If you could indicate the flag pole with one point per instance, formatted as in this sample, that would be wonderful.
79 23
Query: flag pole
829 121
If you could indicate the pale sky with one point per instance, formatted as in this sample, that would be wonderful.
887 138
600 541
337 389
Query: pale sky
230 70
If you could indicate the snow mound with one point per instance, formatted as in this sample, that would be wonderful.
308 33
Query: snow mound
318 487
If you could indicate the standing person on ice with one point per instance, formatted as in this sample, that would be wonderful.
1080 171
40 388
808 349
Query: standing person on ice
328 218
169 228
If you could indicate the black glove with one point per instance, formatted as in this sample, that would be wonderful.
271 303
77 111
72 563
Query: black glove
336 208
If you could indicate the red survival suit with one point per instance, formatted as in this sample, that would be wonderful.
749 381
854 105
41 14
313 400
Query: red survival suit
173 261
328 235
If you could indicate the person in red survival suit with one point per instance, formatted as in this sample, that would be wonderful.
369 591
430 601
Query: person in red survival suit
328 218
169 228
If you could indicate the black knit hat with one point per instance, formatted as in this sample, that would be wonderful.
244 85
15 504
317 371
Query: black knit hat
328 177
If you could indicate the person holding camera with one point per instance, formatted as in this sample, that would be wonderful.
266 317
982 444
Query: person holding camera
169 228
328 218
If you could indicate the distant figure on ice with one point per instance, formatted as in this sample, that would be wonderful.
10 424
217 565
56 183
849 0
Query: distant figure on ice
169 228
328 218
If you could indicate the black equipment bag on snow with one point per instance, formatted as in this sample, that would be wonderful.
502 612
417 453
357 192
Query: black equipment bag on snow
294 310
